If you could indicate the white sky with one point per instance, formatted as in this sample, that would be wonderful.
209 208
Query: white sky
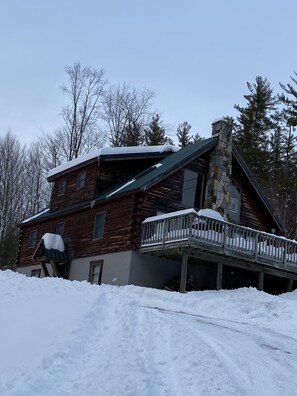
197 56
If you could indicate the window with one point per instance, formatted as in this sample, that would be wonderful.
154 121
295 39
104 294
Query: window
95 272
99 223
60 229
36 273
32 238
81 178
235 203
192 189
62 187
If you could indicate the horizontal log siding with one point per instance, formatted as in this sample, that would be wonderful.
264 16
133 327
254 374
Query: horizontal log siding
166 196
254 214
78 231
114 172
73 196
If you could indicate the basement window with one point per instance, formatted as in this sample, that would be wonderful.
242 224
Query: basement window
99 224
192 189
36 273
81 178
32 238
95 272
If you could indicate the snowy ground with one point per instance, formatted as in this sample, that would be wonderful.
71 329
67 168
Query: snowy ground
63 338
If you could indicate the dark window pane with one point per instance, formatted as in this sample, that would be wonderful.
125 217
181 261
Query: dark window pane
62 187
32 238
81 178
60 229
99 225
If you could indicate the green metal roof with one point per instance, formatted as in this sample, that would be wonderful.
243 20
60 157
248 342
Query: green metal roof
156 172
42 254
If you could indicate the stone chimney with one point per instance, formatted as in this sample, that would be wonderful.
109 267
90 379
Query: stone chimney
218 183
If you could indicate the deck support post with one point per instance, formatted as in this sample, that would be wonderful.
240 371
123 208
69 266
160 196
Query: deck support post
219 276
184 271
290 285
261 281
44 268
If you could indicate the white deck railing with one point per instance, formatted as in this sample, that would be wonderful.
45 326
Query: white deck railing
223 237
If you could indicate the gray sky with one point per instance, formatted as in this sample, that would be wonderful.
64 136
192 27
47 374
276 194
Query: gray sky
197 56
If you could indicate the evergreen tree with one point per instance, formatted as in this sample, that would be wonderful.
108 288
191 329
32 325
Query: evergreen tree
196 138
182 134
289 99
254 125
132 135
155 133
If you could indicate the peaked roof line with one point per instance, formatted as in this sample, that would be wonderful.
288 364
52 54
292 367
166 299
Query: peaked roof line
257 187
112 152
159 171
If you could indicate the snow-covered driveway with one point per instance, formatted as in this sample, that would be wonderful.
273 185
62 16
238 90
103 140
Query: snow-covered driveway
84 340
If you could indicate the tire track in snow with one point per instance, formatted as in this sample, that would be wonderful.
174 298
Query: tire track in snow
253 376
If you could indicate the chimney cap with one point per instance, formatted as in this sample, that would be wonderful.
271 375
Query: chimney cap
217 120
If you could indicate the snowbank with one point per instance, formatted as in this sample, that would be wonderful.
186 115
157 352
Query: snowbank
67 338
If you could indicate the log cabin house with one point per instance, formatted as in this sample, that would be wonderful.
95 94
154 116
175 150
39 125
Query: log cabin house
160 216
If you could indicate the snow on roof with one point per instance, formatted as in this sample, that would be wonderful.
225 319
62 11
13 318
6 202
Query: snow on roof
35 216
120 188
53 241
108 151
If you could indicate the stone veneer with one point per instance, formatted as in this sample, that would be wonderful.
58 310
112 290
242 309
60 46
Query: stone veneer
218 184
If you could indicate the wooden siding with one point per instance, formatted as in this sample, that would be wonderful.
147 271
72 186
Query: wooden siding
254 213
73 196
114 172
78 231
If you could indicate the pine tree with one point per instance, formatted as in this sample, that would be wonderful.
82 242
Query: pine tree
196 138
182 134
132 135
254 125
155 134
289 99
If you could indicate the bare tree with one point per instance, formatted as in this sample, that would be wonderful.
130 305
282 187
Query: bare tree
80 131
12 179
124 106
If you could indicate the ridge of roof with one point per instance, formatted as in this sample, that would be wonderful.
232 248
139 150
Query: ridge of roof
257 187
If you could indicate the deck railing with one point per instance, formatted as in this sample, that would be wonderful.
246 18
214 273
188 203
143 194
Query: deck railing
219 236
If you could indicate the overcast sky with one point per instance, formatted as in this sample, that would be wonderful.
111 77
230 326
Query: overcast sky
196 55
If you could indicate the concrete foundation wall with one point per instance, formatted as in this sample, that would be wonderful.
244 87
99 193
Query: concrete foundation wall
115 271
152 271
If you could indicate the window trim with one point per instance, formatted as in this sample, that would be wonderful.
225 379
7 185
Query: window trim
93 264
31 239
62 187
94 226
81 180
57 226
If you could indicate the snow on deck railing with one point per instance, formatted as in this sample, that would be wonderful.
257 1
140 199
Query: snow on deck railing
231 239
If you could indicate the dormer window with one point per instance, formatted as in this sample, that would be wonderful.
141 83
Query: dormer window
81 178
62 187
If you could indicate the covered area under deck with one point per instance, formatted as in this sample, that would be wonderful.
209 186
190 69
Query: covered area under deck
217 254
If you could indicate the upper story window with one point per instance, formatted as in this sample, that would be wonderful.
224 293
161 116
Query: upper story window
81 178
32 238
62 187
192 189
99 224
60 229
95 272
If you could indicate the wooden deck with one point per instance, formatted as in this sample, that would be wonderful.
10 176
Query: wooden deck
225 242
